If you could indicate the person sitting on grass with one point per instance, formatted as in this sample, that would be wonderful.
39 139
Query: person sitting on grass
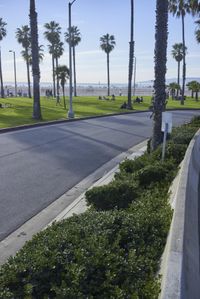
124 106
104 98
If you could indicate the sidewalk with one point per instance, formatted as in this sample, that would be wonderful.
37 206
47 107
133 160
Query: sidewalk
72 202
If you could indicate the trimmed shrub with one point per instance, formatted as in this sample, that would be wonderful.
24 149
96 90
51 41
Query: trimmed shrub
117 194
93 255
195 121
99 255
183 135
175 151
130 166
152 173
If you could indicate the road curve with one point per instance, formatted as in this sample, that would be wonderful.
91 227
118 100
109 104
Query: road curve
38 165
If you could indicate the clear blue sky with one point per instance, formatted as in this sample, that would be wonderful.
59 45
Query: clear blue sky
95 18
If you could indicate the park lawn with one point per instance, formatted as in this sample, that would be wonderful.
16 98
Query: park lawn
19 110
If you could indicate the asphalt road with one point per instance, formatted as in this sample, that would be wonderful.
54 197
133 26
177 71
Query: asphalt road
40 164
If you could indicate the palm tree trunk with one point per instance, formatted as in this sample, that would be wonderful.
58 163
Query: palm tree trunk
1 78
178 78
184 64
35 61
57 82
131 55
63 90
53 75
74 66
160 69
108 74
28 74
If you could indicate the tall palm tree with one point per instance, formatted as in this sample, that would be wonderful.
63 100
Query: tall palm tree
131 56
75 40
62 72
59 50
2 35
23 36
160 59
52 34
35 62
177 54
180 8
107 44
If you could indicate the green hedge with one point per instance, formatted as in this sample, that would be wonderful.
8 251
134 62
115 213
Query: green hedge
183 134
158 172
117 194
109 254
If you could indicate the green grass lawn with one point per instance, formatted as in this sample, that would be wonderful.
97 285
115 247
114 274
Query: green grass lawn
18 111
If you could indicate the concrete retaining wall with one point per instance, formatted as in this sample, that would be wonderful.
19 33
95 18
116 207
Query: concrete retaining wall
181 264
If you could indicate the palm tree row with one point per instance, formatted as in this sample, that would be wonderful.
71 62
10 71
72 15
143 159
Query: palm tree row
178 8
53 35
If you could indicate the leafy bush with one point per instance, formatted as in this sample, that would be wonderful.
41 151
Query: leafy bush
175 151
130 166
93 255
183 135
117 194
157 172
195 121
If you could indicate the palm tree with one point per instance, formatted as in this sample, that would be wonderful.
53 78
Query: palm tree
160 60
194 86
190 87
53 36
75 40
62 72
107 44
2 35
35 61
173 88
58 52
131 55
196 89
180 8
177 54
23 36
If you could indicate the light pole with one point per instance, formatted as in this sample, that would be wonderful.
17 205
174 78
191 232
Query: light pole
14 72
70 112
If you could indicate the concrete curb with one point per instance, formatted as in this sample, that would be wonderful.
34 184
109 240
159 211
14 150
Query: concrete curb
180 264
69 203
